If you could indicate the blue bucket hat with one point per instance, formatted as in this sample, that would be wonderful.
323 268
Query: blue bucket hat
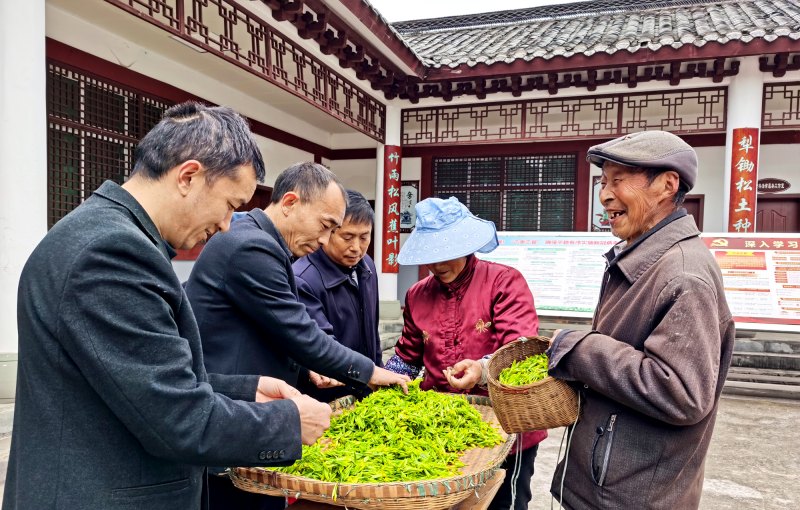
446 230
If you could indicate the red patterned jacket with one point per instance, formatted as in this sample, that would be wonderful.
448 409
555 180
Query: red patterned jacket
487 306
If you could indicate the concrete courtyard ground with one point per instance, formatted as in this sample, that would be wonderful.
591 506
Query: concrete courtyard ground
753 462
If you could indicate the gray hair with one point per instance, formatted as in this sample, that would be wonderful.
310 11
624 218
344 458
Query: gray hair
217 137
308 180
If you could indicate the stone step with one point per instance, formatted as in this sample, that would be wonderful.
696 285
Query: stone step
388 340
763 375
390 310
761 389
390 326
6 418
769 360
773 345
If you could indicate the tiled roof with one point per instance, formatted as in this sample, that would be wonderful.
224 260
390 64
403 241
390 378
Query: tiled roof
596 27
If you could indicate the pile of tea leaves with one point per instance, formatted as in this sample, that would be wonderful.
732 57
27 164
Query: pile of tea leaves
393 437
526 371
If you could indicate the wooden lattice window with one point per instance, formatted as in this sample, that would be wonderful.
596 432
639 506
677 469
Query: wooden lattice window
93 127
517 193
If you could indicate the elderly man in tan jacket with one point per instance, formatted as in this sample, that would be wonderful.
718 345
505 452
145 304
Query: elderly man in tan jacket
651 370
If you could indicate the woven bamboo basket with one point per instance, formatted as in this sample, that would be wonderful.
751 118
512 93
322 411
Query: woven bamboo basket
480 465
545 404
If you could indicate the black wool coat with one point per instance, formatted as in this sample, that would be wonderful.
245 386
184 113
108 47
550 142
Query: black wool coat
114 408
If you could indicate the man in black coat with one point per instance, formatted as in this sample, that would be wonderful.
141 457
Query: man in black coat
339 286
243 292
114 408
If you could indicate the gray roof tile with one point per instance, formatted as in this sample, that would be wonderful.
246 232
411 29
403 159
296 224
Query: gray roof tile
600 26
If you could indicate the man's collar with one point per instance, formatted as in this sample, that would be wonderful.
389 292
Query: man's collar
331 272
266 224
637 258
112 191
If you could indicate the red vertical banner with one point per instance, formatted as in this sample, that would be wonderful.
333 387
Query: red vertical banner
744 175
391 207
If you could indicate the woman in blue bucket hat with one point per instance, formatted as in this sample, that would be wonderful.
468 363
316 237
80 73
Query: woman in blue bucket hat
466 308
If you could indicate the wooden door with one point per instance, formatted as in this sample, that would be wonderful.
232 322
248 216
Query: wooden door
694 206
778 213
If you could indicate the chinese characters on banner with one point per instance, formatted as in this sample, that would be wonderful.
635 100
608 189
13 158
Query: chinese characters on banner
391 208
744 174
761 272
762 281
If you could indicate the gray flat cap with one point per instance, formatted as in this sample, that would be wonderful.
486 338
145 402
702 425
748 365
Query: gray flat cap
649 149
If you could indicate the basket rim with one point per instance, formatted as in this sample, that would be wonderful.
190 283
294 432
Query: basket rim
454 484
341 486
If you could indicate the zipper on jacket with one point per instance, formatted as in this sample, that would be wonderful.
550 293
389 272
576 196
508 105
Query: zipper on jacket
607 454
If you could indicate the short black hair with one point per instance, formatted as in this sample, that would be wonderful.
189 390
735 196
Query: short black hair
308 180
217 137
680 195
358 209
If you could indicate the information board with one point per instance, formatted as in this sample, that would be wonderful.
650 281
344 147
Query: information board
761 273
563 269
762 277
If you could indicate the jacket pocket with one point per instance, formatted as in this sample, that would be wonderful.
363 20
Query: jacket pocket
148 491
601 450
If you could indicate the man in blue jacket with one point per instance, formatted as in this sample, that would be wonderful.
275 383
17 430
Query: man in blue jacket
243 292
114 408
339 286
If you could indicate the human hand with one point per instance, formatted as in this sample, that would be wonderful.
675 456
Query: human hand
465 374
270 389
315 418
321 381
383 377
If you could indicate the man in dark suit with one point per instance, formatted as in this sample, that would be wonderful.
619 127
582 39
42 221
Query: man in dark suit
114 408
243 292
339 286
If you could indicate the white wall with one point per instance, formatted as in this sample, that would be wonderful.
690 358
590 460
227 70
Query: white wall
278 157
23 161
412 169
710 183
781 162
408 275
357 174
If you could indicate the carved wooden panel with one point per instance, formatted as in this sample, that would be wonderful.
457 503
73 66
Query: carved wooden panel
685 111
781 106
226 29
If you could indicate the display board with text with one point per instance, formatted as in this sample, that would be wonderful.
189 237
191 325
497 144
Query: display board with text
761 273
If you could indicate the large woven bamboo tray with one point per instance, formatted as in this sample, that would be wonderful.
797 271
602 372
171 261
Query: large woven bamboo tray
480 465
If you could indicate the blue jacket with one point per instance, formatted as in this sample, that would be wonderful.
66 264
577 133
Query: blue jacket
243 292
114 407
347 312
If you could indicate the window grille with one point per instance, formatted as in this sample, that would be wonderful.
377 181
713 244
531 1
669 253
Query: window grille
93 128
517 193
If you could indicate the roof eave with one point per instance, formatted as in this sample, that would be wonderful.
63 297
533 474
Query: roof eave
644 56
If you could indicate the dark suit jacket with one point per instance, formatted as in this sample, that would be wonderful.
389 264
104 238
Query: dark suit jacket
243 293
344 310
114 409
